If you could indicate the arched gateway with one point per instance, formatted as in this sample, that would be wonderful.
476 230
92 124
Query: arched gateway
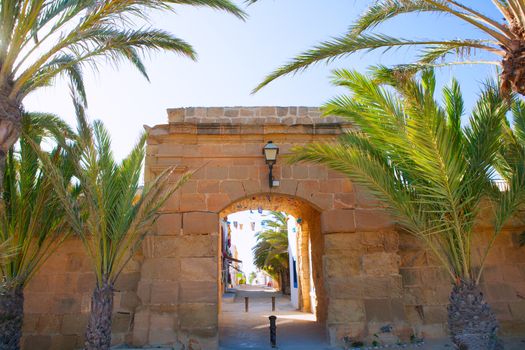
354 273
371 281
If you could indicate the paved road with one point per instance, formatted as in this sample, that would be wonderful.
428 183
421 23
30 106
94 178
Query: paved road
240 330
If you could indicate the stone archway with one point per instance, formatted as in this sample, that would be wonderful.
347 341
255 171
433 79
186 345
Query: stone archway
310 244
178 286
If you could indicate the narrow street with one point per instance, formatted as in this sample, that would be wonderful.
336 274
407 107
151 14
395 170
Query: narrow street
250 330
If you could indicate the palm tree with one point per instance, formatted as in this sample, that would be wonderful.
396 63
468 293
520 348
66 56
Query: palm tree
271 250
414 155
32 222
504 39
41 40
113 215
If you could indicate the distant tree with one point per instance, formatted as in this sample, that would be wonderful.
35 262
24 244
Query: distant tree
252 277
502 38
413 154
271 250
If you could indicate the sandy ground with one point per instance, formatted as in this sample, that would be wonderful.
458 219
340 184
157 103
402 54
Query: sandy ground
250 330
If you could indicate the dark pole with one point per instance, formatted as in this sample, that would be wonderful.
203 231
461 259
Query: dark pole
273 303
273 331
246 304
270 177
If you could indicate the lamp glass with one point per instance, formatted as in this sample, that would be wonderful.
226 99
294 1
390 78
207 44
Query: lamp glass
270 152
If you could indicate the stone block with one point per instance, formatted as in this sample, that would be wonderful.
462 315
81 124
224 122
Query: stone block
48 324
208 186
337 221
364 199
200 222
86 282
410 276
380 264
331 186
336 242
322 201
216 172
160 269
176 115
169 224
198 315
344 201
503 311
517 309
500 292
162 329
127 281
63 342
299 172
67 304
186 246
121 322
232 188
199 269
215 202
40 342
239 172
128 302
74 324
345 310
198 292
433 331
164 293
353 330
372 220
434 314
30 323
341 267
378 310
141 325
192 202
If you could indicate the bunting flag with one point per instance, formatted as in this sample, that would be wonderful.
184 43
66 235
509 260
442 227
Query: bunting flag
252 224
235 224
240 226
260 210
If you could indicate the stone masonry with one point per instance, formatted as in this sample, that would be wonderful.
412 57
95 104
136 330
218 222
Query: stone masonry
367 274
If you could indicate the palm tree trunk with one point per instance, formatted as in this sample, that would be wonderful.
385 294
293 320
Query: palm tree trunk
98 331
10 123
11 317
472 324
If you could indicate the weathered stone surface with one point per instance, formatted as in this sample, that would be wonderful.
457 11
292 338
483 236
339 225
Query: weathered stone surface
198 292
380 264
200 222
337 221
199 269
169 224
372 220
162 329
345 310
198 316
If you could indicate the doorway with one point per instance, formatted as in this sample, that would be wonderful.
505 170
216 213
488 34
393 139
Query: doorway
270 264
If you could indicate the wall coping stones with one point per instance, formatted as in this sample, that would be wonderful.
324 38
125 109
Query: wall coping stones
248 120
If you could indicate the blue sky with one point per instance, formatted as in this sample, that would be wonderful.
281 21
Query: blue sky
234 56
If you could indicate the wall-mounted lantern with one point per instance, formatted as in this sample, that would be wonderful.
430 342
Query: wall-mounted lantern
270 152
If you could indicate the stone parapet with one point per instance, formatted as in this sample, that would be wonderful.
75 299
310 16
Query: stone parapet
250 115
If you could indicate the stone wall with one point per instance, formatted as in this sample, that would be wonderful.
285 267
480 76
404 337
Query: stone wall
367 275
58 301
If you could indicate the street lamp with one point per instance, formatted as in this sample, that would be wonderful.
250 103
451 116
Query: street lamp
270 152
